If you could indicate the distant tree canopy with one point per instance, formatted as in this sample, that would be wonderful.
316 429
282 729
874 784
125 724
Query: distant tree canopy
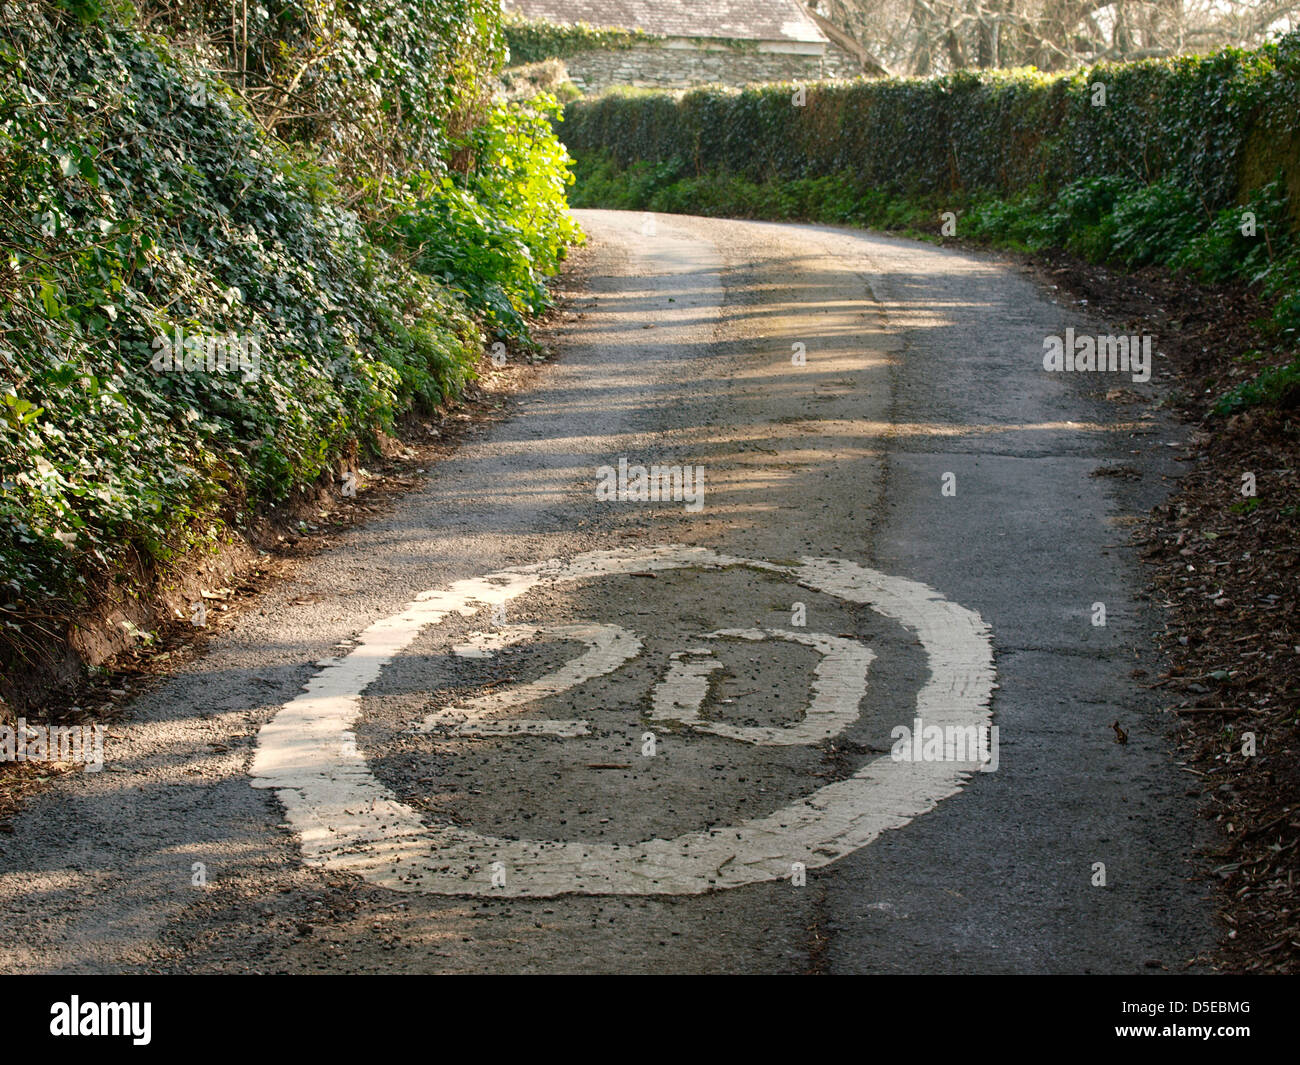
939 36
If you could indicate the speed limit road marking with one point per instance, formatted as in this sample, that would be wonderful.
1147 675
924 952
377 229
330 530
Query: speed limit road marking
347 820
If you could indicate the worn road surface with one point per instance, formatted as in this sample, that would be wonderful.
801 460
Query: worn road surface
532 721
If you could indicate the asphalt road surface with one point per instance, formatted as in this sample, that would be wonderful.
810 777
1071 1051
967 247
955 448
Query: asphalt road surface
533 720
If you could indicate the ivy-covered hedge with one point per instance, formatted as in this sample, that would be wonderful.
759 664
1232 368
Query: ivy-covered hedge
146 210
534 40
1193 118
375 87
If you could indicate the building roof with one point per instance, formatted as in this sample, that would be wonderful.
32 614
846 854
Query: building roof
744 20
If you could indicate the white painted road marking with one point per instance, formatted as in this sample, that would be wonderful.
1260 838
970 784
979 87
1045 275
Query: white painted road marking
840 681
348 820
608 647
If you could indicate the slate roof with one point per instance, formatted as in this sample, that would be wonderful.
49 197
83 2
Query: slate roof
746 20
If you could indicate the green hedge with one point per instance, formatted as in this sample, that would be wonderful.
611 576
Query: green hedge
1220 124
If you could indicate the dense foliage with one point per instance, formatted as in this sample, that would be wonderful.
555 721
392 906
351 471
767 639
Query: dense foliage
495 234
146 207
376 87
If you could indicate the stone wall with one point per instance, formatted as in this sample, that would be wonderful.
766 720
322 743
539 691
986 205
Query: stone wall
660 67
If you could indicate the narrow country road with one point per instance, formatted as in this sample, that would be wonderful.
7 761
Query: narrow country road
517 727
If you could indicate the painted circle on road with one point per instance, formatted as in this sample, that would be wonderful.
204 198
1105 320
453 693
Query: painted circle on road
348 820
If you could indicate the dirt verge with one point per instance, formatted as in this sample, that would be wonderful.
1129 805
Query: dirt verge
1225 566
